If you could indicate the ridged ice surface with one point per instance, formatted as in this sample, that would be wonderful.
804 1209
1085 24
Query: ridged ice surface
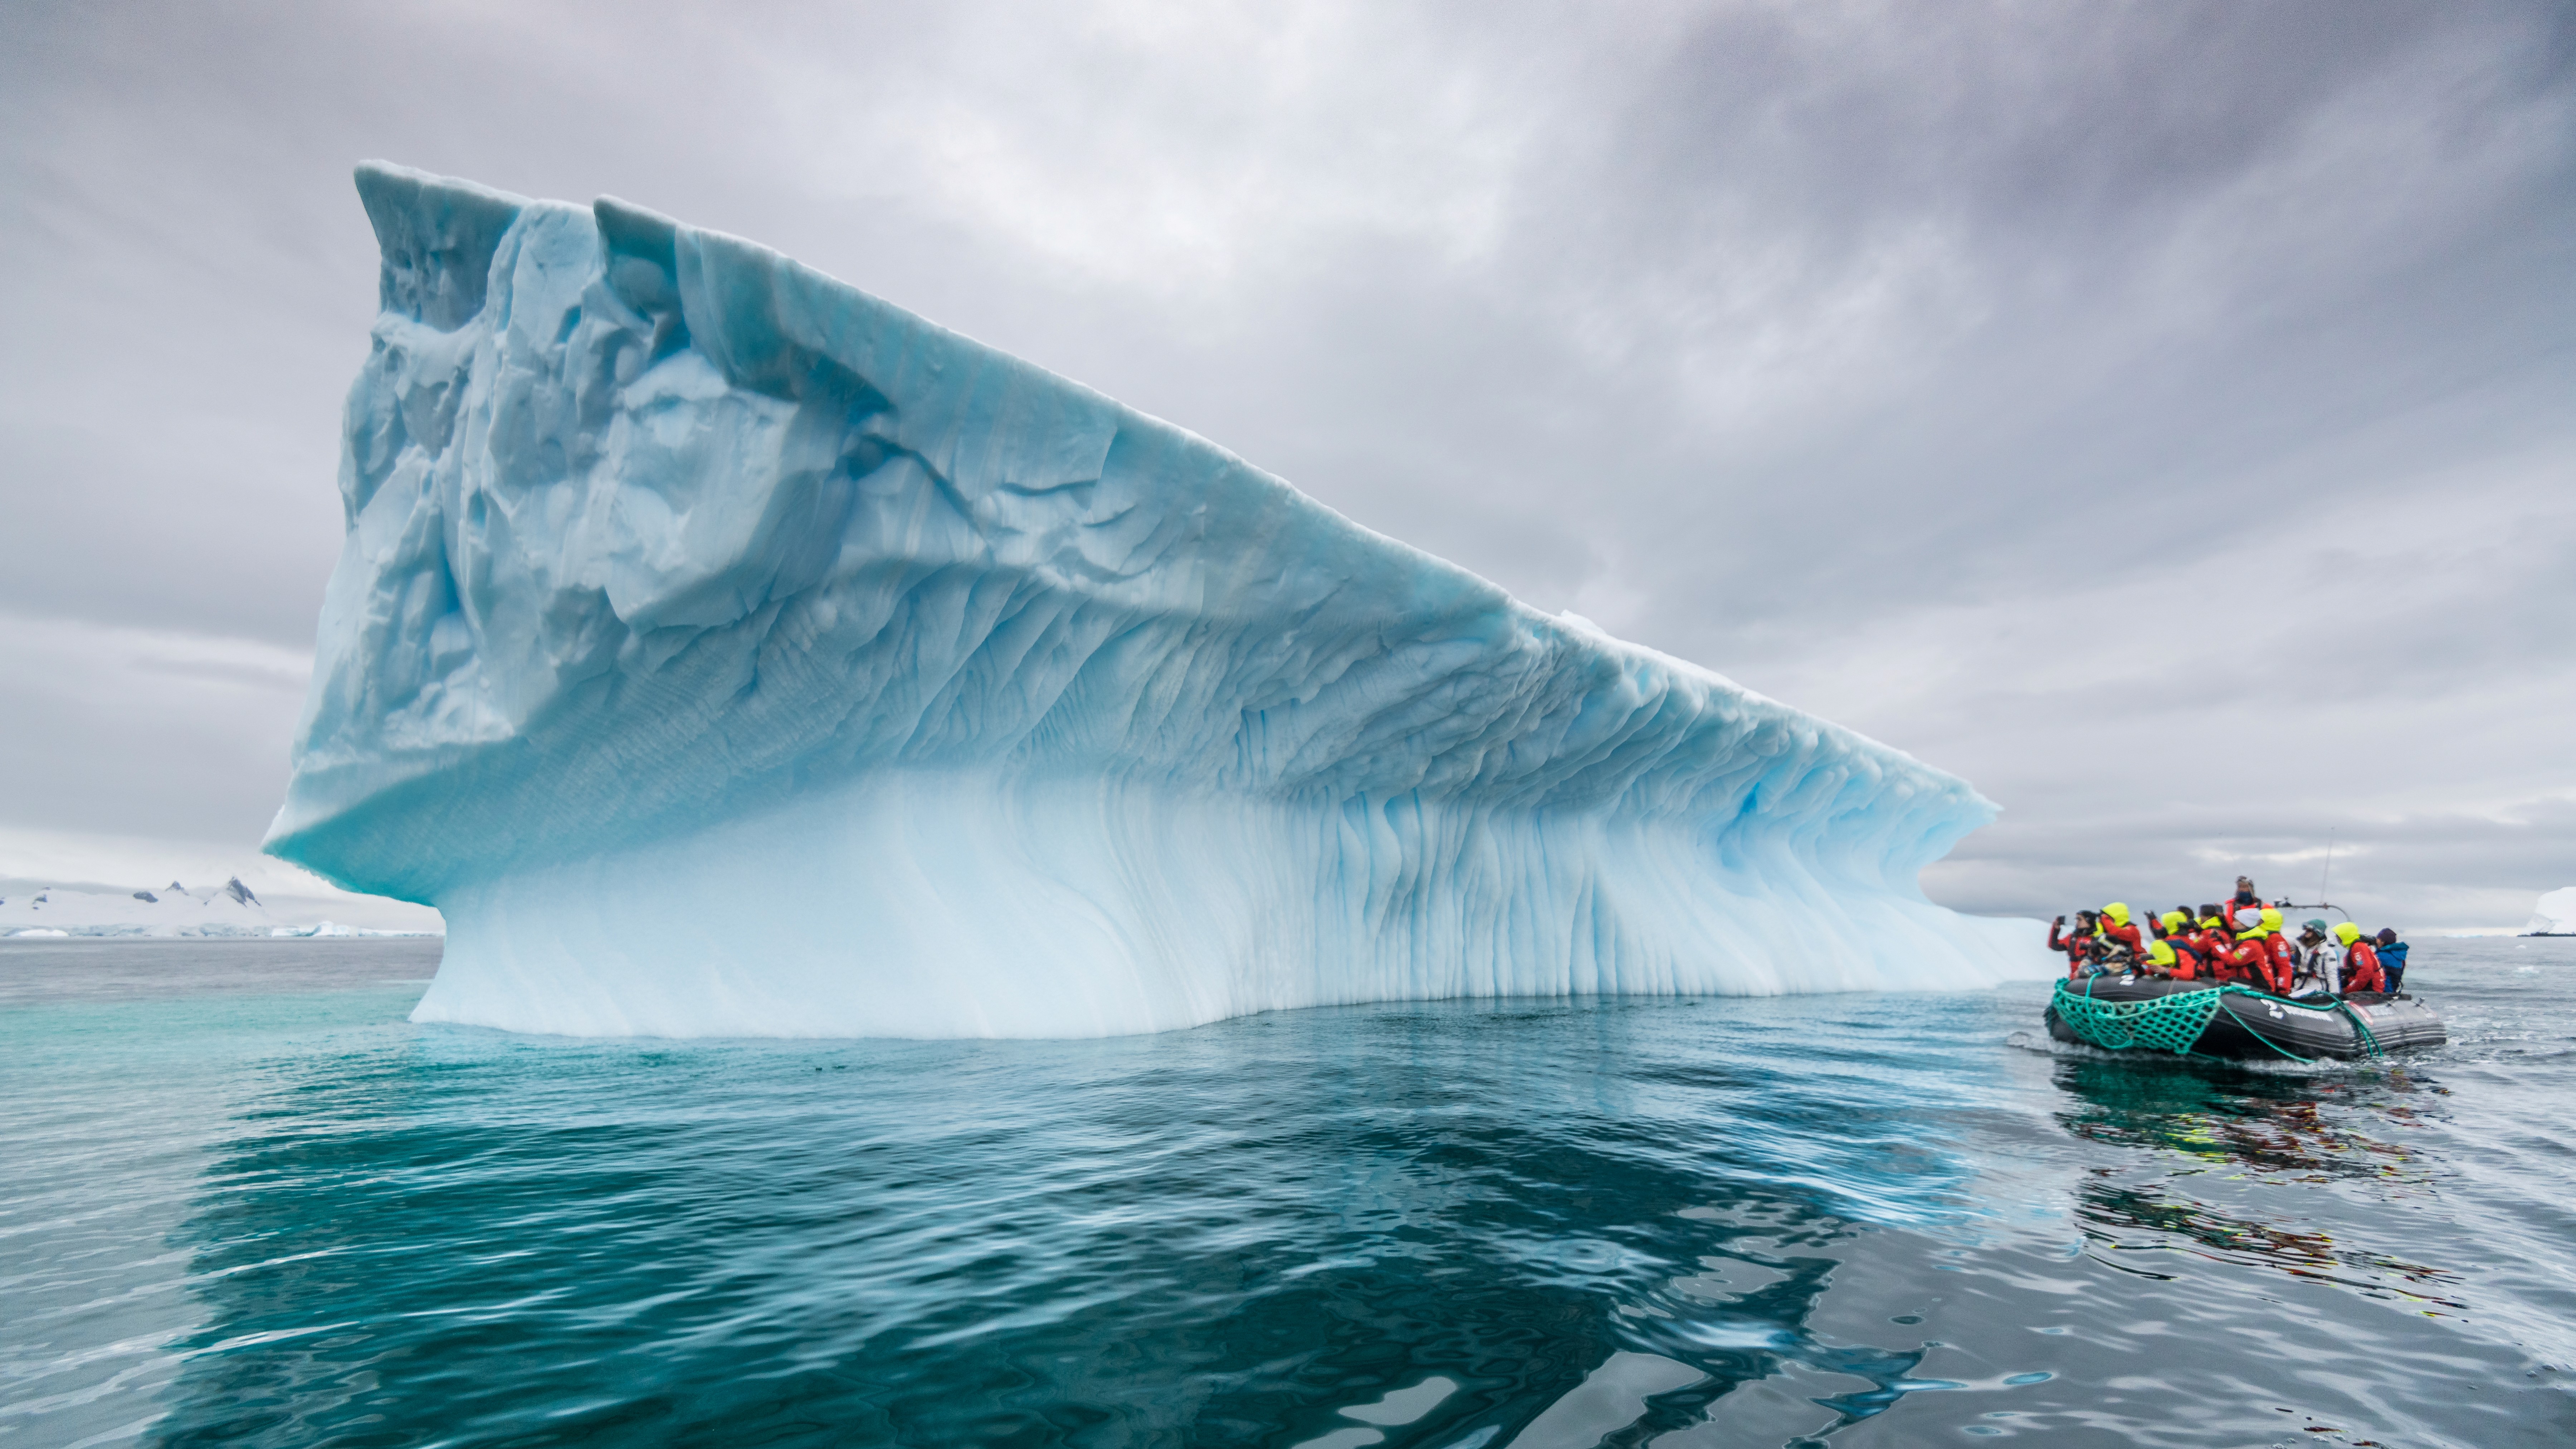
728 652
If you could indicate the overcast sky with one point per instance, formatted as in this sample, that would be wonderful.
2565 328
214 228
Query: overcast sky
2163 415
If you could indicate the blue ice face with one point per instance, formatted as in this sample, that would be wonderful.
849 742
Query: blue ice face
697 608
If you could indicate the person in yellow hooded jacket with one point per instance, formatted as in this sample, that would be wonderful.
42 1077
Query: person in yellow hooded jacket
2360 960
2172 952
2118 928
2164 960
2280 958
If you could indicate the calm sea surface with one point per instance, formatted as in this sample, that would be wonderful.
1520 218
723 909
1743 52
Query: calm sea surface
242 1201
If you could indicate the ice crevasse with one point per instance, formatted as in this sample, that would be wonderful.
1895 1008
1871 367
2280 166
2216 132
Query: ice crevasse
726 651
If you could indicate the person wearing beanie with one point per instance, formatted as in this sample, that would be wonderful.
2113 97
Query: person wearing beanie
2392 960
2246 898
2320 960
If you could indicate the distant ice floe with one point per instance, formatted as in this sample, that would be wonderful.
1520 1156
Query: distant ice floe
2555 915
725 651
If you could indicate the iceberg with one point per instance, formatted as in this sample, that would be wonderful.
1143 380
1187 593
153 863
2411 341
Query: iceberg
2554 915
726 651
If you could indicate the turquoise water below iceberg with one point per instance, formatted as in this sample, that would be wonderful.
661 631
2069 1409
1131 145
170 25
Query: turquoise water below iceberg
245 1202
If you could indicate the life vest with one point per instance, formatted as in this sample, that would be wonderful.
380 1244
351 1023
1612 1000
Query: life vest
2361 968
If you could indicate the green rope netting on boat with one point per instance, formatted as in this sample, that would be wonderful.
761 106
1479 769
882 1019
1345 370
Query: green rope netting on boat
2166 1023
2173 1023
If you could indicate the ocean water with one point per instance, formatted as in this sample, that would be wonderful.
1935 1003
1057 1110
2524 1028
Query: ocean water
242 1201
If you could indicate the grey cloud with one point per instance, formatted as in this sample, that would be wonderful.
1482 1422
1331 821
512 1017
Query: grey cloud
2416 872
115 731
2160 413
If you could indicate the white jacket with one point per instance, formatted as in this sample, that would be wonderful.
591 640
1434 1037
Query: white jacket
2324 962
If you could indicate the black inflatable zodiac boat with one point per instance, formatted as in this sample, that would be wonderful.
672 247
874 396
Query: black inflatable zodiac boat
2147 1013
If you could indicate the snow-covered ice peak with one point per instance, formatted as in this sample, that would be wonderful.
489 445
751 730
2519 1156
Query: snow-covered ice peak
727 651
2554 915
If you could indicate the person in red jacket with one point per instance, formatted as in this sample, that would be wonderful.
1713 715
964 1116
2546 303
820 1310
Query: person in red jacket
2205 942
2118 929
2360 961
2244 959
2190 958
2250 959
2074 943
2213 918
2163 960
2281 959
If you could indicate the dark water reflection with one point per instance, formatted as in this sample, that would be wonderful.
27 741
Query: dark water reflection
2322 1128
1834 1220
1221 1237
2315 1129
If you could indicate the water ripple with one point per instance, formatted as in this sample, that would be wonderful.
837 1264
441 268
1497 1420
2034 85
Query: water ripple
255 1207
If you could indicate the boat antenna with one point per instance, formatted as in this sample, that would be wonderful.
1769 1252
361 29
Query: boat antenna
2322 897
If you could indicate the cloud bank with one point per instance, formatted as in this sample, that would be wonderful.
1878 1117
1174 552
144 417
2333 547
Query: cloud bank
2162 414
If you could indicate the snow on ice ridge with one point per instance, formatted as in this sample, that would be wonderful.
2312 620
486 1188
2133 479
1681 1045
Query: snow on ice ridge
725 651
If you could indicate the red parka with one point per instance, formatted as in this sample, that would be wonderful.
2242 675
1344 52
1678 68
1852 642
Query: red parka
2073 944
2284 961
2245 961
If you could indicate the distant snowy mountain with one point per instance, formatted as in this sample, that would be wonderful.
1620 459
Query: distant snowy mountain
2555 915
230 909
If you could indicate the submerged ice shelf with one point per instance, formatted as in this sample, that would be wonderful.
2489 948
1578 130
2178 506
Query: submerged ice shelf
728 652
